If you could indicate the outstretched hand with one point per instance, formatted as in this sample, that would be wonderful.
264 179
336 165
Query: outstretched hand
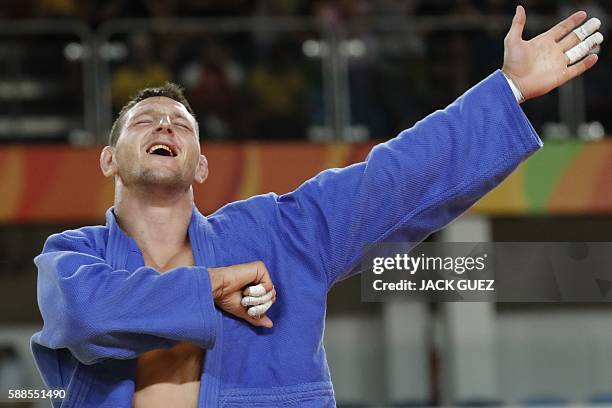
542 64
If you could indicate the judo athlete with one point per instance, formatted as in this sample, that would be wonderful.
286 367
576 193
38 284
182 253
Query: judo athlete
155 308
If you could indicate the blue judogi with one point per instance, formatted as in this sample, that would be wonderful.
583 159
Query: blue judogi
102 307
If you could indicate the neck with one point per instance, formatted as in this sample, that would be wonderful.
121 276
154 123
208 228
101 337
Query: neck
157 222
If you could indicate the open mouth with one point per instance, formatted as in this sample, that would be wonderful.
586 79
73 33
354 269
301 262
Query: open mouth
161 150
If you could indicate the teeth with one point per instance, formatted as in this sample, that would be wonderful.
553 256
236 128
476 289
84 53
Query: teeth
160 146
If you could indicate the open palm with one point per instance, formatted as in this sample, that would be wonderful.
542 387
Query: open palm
540 65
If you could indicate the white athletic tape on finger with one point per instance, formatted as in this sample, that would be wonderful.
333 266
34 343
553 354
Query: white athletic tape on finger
582 49
587 28
257 290
256 300
260 309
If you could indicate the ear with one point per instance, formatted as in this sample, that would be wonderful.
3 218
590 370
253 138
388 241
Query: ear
107 161
201 173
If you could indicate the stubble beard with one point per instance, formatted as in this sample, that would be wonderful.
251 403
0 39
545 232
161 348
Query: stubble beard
155 180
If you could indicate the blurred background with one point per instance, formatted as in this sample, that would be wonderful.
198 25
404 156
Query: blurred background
283 89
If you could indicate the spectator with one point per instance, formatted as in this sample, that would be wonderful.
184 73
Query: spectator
277 87
211 83
486 48
141 71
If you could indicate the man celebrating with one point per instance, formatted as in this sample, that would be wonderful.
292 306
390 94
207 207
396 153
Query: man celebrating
164 307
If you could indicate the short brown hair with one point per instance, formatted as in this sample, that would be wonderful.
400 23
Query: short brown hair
169 90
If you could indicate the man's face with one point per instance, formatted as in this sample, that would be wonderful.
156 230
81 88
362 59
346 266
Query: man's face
158 146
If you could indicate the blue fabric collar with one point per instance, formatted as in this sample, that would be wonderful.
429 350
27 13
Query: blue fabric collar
119 242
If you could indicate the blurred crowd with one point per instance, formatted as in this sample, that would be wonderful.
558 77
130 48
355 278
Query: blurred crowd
96 11
270 84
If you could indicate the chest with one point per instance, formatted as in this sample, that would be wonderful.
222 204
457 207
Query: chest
163 260
169 373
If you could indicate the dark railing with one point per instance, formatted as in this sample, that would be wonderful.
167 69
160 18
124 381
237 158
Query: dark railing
269 78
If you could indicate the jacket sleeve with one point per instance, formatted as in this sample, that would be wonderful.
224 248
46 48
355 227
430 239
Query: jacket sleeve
98 313
412 185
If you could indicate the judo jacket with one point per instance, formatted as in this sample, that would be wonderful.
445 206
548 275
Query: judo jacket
102 307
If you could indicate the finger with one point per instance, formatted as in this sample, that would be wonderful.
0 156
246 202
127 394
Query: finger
266 322
582 66
259 309
564 27
256 300
518 24
587 28
263 276
580 33
582 49
259 321
256 290
254 272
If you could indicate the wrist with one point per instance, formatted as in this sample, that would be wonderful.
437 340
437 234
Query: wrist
217 284
515 87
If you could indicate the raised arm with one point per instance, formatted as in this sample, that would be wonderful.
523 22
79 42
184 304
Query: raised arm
428 175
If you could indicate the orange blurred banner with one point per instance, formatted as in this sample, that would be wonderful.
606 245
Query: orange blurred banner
56 184
59 184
